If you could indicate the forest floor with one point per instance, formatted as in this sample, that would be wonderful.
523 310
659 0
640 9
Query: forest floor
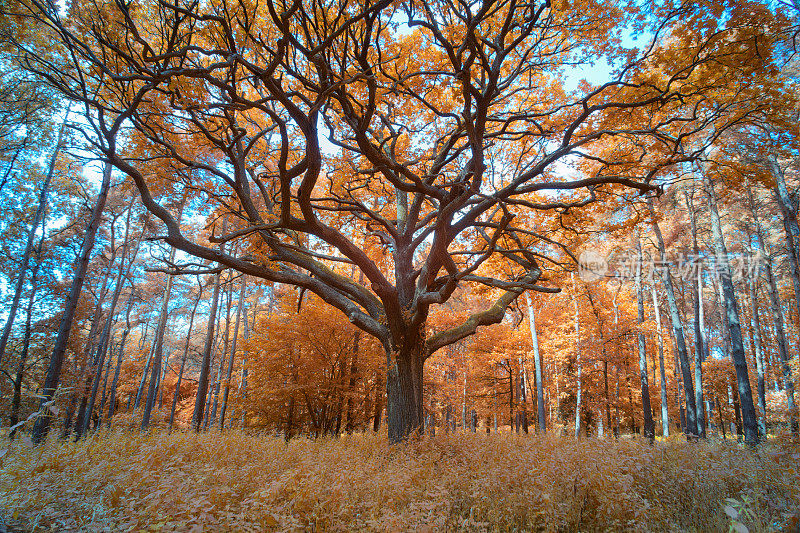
231 481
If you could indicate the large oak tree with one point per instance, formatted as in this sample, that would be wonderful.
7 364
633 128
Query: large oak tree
399 137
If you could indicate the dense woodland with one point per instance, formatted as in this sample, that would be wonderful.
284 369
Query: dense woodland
316 219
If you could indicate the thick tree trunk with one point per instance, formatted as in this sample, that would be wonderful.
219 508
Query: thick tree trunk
60 347
404 409
732 311
690 426
38 218
202 382
649 425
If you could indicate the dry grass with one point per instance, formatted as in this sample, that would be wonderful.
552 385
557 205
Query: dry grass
235 482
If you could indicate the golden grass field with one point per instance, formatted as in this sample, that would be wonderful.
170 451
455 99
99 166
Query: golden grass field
232 481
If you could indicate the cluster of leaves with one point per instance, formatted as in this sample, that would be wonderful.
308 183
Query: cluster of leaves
307 363
233 481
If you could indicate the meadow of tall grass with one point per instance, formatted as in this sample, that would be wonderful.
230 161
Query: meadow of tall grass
232 481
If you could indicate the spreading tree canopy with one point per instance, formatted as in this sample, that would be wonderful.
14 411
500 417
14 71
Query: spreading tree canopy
407 144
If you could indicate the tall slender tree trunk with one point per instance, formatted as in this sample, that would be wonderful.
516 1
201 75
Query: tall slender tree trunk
605 384
631 410
351 385
208 401
617 423
376 419
511 418
344 368
537 361
522 404
243 381
26 341
106 373
788 212
464 401
202 382
161 375
700 351
12 162
112 395
649 427
185 355
38 218
700 354
224 352
758 354
690 426
662 372
578 365
226 393
158 340
777 318
60 347
288 430
780 336
85 362
143 381
100 356
732 312
737 412
102 347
